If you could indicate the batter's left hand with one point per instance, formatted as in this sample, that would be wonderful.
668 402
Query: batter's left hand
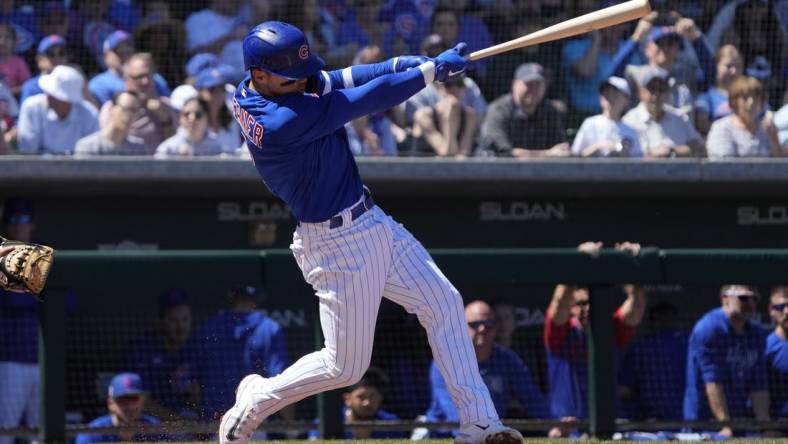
451 63
406 62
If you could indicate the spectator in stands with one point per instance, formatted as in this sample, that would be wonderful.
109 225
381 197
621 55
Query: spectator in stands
565 339
653 373
181 94
726 365
777 353
713 104
448 128
587 62
604 134
663 49
126 402
750 130
165 40
506 376
449 22
217 29
212 84
156 121
51 53
118 47
19 314
9 111
199 62
663 131
92 24
22 19
54 18
430 95
157 356
13 69
231 345
522 124
193 137
114 139
53 122
362 403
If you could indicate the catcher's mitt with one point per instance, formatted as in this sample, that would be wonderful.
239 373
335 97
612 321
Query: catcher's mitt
26 267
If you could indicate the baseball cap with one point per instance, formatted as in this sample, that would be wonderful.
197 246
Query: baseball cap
665 32
529 71
63 83
200 62
617 83
173 298
245 291
125 384
760 69
15 207
650 73
210 77
48 42
181 95
114 39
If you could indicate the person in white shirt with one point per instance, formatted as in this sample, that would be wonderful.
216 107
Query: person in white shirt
193 137
663 131
748 132
604 134
53 122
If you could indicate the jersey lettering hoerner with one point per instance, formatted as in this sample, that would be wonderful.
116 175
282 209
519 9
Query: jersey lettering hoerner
298 141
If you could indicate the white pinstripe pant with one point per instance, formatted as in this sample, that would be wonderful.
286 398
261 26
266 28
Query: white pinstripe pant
351 268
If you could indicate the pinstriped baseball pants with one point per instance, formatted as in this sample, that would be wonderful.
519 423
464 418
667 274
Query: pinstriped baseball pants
351 268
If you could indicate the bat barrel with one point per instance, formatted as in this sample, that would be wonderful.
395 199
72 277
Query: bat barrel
610 16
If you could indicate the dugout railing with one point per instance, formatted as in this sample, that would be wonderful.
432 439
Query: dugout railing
95 274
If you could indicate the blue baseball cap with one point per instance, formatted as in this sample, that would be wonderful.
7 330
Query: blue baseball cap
48 42
665 32
113 40
210 77
125 384
173 298
200 62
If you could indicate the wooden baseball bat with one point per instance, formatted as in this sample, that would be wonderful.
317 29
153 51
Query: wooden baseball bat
610 16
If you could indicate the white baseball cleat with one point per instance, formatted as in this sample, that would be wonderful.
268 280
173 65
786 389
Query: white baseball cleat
241 421
493 432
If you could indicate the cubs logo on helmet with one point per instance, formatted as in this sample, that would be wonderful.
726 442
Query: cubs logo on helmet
282 49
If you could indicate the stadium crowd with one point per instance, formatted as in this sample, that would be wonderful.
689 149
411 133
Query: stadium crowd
122 77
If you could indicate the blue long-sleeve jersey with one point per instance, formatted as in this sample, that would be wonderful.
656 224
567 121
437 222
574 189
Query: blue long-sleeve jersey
506 377
298 142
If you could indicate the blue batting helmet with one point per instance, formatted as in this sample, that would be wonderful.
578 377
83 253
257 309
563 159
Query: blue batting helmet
282 49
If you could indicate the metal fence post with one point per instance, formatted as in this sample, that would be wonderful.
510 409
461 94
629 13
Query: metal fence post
52 358
601 372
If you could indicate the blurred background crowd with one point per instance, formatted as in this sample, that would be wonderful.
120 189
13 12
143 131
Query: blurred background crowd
144 77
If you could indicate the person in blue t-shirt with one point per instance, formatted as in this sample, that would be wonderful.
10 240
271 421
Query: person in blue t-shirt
652 374
726 365
50 53
125 402
362 403
157 356
566 342
231 345
777 353
713 103
118 47
505 374
19 312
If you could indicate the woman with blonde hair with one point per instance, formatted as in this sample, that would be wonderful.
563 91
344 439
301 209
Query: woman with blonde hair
749 131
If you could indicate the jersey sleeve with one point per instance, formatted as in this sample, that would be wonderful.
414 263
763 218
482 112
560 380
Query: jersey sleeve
354 76
710 358
305 118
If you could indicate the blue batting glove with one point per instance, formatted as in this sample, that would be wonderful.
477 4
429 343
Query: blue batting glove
406 62
451 63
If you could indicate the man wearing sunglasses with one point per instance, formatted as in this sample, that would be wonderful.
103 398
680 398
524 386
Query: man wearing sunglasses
726 366
777 352
566 341
503 371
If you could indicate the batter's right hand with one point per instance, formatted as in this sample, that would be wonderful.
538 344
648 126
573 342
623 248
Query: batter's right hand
451 63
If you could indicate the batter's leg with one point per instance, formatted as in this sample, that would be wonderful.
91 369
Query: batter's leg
347 271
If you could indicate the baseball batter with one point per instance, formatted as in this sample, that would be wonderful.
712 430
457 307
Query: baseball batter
350 251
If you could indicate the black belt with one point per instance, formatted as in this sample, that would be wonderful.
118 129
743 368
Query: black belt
355 212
